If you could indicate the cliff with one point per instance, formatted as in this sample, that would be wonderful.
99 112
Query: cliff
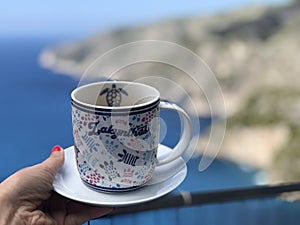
254 54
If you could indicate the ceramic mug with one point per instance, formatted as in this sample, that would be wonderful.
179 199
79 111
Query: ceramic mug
116 134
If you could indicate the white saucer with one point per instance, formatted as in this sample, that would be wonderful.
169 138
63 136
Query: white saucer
165 179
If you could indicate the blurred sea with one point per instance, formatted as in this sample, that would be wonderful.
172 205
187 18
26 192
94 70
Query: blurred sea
35 107
35 115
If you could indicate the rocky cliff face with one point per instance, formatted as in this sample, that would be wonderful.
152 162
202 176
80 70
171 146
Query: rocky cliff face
254 54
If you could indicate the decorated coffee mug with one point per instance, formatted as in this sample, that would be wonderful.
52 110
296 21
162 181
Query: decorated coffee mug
116 134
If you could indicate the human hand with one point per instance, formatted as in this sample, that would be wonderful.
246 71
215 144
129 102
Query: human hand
27 198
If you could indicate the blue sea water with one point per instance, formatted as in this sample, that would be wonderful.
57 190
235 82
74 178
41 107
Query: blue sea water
35 106
35 115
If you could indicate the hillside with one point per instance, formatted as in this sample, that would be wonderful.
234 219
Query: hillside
254 54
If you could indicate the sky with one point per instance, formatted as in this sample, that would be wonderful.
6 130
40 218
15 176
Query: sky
74 17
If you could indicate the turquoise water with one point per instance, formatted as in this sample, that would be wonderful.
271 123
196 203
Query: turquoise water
35 115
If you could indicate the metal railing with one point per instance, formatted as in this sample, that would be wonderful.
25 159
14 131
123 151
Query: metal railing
184 199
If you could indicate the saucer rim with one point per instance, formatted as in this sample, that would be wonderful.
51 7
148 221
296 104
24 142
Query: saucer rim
178 176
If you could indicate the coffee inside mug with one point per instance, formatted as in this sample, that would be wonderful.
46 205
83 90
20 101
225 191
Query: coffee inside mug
115 94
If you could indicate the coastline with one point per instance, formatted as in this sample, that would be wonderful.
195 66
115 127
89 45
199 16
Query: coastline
254 57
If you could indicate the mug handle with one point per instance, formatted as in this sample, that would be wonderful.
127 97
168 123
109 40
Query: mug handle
185 138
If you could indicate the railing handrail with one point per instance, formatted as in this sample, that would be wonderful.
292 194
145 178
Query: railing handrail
183 199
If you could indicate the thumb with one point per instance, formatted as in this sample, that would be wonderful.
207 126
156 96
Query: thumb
55 161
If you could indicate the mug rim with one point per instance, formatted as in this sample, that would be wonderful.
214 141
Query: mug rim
156 97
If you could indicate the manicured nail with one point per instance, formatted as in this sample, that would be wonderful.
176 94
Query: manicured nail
56 148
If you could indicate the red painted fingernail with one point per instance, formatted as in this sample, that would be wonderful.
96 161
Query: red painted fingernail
56 148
